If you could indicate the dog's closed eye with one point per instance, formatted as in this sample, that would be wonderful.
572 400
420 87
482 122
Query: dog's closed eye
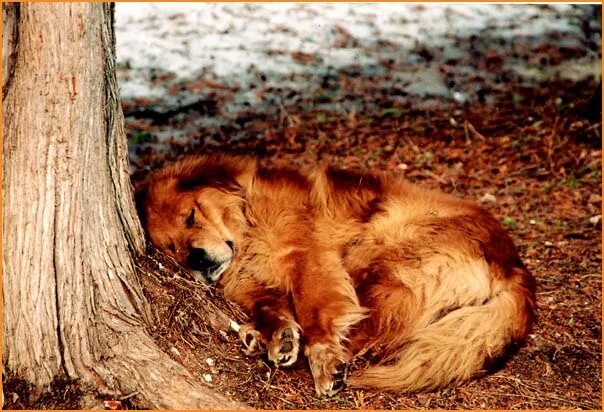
190 221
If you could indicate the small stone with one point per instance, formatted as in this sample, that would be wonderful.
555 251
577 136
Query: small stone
207 377
548 243
452 121
235 326
403 166
174 351
460 97
594 220
488 198
532 222
210 362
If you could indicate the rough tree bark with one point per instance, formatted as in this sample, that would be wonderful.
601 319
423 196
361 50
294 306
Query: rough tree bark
72 303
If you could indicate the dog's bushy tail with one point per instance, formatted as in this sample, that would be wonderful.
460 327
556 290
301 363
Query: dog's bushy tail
460 344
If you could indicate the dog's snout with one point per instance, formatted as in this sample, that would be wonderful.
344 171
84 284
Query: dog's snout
199 259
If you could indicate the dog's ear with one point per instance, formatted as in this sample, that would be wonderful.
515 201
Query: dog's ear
218 176
228 184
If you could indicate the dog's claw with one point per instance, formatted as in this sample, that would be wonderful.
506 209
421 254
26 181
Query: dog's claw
339 377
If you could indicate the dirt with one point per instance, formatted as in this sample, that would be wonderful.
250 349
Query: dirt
536 165
528 148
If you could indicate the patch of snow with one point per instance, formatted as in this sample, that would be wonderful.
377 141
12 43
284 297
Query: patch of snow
226 40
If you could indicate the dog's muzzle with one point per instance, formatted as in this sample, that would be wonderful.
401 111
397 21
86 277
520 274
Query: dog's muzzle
205 265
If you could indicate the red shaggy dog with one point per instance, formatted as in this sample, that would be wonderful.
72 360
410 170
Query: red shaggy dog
340 263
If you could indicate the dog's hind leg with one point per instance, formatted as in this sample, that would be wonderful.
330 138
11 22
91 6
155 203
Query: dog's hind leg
326 308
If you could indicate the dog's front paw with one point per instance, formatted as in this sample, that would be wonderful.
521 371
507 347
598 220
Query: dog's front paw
253 341
284 346
329 366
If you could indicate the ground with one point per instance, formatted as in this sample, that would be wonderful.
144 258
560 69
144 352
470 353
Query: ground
499 104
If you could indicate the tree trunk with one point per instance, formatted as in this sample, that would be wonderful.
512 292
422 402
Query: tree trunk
72 301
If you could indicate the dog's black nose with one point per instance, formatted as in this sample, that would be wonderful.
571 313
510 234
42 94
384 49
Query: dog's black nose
199 260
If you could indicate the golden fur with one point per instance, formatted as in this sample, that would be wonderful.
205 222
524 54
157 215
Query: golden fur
341 263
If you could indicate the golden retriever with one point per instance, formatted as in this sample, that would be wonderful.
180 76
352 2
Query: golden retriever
340 263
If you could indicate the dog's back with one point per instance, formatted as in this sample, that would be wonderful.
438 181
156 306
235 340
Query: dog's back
446 290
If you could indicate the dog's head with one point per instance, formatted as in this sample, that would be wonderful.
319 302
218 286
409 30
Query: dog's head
193 211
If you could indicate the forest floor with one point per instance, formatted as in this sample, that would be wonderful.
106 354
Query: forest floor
504 117
535 163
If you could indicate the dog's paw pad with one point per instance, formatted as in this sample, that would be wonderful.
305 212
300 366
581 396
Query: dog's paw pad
286 347
283 348
252 340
